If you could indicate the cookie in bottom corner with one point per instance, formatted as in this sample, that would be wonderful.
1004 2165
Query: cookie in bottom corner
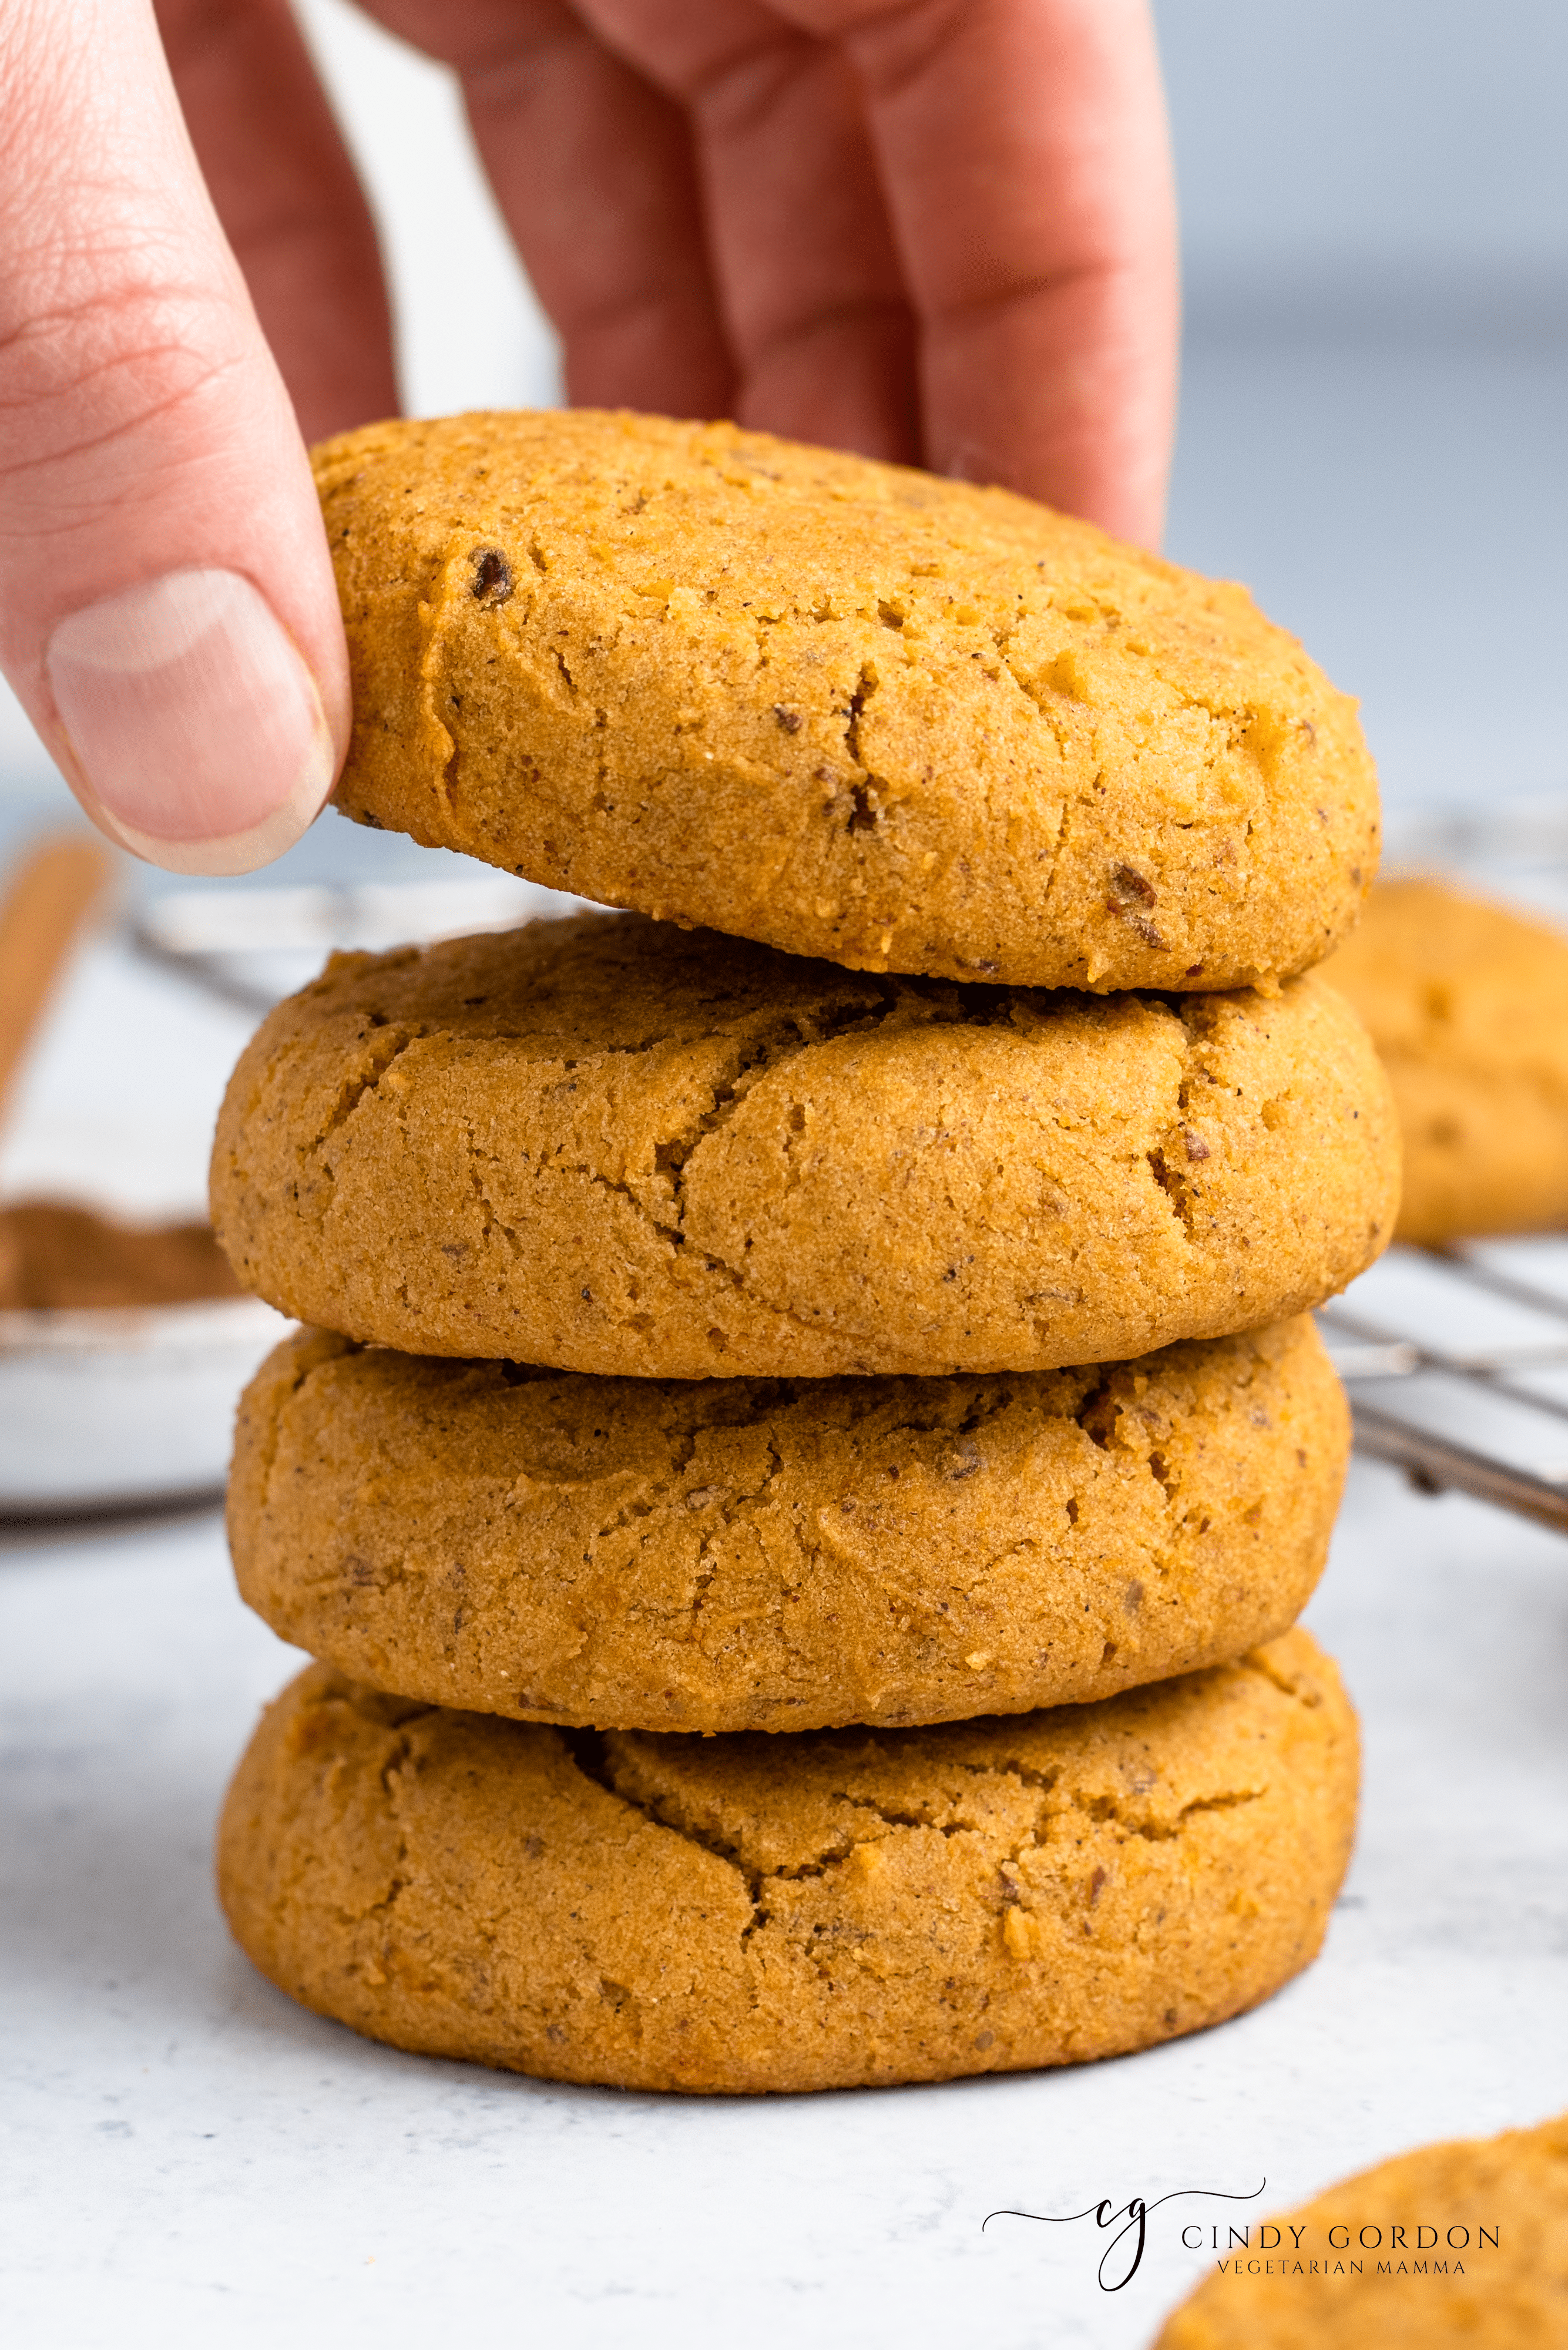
753 1912
1465 2242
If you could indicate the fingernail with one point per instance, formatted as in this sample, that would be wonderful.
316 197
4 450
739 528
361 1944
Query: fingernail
196 724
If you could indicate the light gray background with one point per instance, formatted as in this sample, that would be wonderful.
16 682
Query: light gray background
1375 431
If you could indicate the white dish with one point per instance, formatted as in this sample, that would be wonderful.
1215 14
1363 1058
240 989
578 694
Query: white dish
123 1406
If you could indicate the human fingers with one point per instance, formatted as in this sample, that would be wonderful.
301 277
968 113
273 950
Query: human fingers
811 284
943 221
1023 148
167 609
290 203
975 255
594 171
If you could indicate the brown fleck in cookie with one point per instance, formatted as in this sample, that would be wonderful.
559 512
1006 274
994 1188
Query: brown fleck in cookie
795 1913
724 1555
612 1146
1463 2243
845 708
1468 1004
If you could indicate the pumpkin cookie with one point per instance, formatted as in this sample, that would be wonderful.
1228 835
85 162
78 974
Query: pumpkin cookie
725 1554
813 1912
609 1145
1465 2243
1468 1004
842 707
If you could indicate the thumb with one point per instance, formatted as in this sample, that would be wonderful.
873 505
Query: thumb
168 615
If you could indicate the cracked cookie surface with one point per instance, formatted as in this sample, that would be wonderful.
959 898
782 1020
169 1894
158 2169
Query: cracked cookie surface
842 707
1437 2279
609 1145
724 1555
821 1911
1466 1003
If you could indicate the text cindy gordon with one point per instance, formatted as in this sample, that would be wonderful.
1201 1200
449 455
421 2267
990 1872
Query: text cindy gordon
1400 2246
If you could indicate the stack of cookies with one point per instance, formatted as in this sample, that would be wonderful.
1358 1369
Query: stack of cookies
805 1454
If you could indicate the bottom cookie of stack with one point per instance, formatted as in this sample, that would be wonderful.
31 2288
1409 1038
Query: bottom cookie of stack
750 1912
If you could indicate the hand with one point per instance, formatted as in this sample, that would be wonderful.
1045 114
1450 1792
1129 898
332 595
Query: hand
934 230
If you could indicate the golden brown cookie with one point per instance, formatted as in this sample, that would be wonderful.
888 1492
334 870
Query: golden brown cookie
1465 2243
795 1913
725 1554
1468 1004
609 1145
845 708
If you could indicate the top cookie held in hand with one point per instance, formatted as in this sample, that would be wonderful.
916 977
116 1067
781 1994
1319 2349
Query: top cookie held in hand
844 708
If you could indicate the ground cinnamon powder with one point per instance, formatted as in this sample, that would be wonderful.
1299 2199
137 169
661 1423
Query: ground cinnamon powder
55 1255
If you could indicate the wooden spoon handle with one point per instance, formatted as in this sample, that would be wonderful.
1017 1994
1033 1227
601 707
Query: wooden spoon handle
52 893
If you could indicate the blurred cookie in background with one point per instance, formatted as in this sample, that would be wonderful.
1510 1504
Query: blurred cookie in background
1467 1002
1465 2242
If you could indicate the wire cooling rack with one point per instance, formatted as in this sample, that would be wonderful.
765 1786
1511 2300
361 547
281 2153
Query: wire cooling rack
1456 1362
251 947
